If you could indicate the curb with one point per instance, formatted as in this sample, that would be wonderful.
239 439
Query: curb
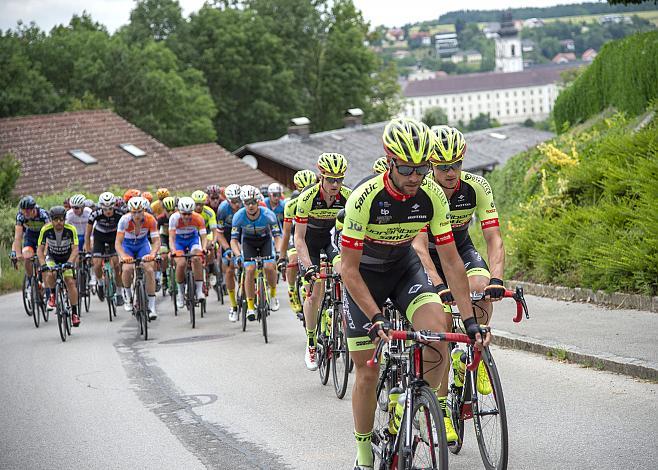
579 294
603 361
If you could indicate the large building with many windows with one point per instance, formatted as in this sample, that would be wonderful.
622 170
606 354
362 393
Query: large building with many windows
508 97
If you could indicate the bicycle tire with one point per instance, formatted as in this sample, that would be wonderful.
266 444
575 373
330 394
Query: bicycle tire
219 286
45 314
109 297
189 295
67 311
340 357
26 296
425 401
144 310
61 320
34 301
263 308
242 302
383 442
173 289
322 347
489 414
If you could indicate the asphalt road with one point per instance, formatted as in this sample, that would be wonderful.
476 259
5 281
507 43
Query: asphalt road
216 397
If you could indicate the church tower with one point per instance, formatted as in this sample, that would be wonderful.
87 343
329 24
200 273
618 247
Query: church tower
509 57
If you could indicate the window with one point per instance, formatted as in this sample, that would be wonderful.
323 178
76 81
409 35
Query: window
133 150
469 97
83 156
532 92
514 92
506 94
513 49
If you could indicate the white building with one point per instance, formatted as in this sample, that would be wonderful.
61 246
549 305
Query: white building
508 97
509 53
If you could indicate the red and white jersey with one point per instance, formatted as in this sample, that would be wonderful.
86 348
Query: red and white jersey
128 227
189 228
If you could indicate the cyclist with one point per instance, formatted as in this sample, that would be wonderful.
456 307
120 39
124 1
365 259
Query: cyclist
380 165
132 241
227 210
275 202
30 219
168 208
58 244
302 179
467 194
315 216
131 193
156 206
214 193
78 216
212 231
187 231
254 228
382 217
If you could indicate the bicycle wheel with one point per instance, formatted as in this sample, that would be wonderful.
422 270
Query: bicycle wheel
263 308
322 351
189 295
27 298
382 441
109 294
340 357
173 289
428 440
219 285
34 301
45 314
144 310
61 315
456 400
83 293
490 418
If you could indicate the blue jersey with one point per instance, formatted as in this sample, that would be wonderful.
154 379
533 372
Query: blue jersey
225 218
278 209
33 226
259 229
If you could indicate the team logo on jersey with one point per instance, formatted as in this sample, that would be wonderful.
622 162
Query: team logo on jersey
385 212
415 288
355 226
461 197
383 219
415 207
385 204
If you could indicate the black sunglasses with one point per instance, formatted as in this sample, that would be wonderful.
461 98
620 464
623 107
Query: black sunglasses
332 180
453 166
407 170
251 202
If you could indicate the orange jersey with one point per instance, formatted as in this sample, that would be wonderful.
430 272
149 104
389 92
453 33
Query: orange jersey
129 230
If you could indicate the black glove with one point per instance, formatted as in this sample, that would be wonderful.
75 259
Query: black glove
379 323
311 273
281 264
472 328
444 293
495 289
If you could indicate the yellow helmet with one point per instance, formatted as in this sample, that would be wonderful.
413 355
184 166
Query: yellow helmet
304 178
162 193
409 140
450 145
199 197
332 163
380 165
169 203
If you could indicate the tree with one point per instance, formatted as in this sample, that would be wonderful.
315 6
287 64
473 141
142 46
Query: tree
482 121
459 25
9 173
153 19
435 116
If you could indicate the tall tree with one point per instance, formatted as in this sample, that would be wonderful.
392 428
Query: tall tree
153 20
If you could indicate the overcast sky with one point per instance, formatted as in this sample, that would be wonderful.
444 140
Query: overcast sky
114 13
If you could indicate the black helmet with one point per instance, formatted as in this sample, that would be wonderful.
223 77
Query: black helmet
27 202
57 212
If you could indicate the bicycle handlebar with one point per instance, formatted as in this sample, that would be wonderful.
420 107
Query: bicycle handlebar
517 295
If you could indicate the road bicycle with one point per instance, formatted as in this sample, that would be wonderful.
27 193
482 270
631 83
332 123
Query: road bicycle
83 272
262 302
330 334
191 300
465 400
33 293
140 299
62 301
110 284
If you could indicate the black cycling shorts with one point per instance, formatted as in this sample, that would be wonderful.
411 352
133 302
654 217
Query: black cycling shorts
254 247
318 245
104 243
474 264
406 284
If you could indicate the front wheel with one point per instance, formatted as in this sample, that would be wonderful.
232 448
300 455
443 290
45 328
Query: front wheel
34 301
426 447
263 308
190 299
61 313
340 358
490 418
27 298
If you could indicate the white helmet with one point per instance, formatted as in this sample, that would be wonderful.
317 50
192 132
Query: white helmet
106 200
274 188
77 200
232 191
186 205
137 204
248 192
89 203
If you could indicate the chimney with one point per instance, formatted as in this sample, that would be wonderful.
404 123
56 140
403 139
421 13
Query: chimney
353 117
299 127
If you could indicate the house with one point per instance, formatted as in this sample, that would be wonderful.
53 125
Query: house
568 45
563 58
469 57
401 54
422 74
615 19
395 34
446 44
527 45
98 150
422 37
533 23
362 145
509 97
490 30
589 55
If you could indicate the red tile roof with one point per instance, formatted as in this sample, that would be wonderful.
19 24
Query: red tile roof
41 144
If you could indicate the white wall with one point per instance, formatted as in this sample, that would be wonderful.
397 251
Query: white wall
508 106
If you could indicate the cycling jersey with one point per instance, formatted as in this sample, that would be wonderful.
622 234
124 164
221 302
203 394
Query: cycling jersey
103 223
246 229
288 217
278 209
193 228
157 208
60 244
383 222
314 211
79 222
225 218
33 224
129 230
209 218
472 195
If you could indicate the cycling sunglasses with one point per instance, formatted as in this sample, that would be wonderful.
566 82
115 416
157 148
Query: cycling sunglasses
251 202
235 200
454 166
407 170
275 194
334 180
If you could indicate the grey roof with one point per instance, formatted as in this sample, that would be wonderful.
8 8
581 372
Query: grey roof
363 145
452 84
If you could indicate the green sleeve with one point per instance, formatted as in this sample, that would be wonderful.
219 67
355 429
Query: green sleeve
485 208
357 215
42 239
305 203
440 222
75 232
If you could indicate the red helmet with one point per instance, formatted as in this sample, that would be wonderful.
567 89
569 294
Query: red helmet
148 196
130 194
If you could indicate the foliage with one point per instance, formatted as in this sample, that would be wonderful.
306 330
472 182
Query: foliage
623 76
153 20
9 173
435 116
582 209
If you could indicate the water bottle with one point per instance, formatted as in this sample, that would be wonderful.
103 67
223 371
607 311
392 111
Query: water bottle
396 399
329 315
458 357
